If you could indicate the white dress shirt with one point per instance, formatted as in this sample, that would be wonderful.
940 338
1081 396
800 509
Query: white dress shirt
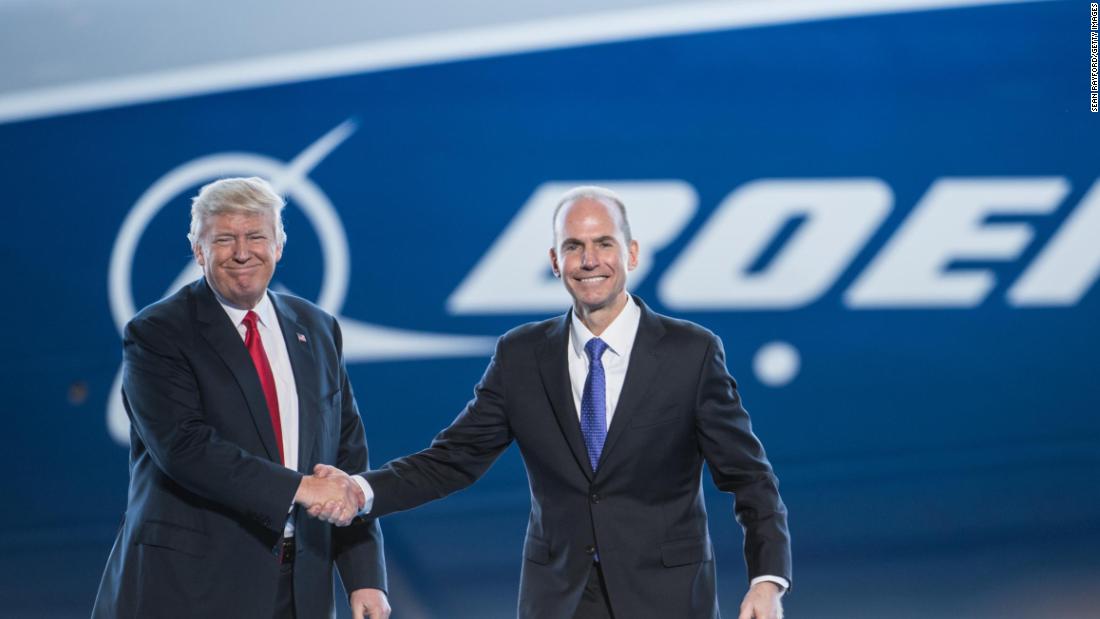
619 337
271 334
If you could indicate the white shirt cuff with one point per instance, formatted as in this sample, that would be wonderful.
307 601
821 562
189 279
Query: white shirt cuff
367 492
782 582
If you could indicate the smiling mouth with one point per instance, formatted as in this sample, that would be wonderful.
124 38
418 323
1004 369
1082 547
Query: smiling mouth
243 271
595 279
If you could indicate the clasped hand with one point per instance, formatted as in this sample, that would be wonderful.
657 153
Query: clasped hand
331 495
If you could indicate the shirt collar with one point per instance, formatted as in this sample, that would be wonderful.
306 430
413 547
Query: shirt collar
265 310
619 335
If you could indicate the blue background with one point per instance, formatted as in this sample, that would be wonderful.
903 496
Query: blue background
936 462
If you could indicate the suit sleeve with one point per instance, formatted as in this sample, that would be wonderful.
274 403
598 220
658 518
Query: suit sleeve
357 549
738 464
166 411
457 457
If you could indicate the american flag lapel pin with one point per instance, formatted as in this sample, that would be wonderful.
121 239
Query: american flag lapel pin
302 338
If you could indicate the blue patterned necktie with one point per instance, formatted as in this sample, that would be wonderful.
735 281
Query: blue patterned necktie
594 402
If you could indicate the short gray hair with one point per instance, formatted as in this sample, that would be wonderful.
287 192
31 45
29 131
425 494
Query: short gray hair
603 195
236 195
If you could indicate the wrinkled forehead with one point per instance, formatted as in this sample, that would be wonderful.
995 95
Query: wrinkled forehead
238 220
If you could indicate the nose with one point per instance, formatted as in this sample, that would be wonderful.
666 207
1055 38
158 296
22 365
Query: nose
588 259
240 251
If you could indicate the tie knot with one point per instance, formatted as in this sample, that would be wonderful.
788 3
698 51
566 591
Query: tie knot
595 348
250 320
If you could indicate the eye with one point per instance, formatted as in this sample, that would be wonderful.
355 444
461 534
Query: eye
223 240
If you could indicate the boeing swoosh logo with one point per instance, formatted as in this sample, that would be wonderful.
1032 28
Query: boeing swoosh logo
362 341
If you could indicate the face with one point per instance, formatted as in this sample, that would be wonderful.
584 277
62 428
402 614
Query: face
237 253
592 256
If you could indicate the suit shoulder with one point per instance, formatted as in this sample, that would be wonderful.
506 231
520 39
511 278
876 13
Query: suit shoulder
530 333
171 312
302 306
686 329
306 312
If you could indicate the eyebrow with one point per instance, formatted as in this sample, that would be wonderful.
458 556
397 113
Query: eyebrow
600 239
227 233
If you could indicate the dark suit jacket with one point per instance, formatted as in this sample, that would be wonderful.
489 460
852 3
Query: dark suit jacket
208 498
643 511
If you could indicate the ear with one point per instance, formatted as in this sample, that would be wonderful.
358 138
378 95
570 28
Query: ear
278 252
554 263
196 250
632 256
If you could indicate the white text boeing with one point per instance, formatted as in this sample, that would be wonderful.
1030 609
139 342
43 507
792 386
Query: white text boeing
920 264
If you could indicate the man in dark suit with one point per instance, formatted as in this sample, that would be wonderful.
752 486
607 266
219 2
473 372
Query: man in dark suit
615 410
234 393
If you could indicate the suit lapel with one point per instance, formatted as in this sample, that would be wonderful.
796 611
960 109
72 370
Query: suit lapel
305 379
640 374
216 327
554 369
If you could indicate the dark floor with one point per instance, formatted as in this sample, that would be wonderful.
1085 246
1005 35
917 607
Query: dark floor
1011 579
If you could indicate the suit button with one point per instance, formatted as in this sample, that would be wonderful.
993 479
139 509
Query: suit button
594 497
590 549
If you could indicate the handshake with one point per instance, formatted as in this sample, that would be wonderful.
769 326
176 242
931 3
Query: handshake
331 495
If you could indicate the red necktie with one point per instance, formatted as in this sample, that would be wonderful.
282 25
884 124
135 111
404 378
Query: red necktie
255 348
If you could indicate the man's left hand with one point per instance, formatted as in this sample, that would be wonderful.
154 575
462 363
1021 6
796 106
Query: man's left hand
369 604
762 602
